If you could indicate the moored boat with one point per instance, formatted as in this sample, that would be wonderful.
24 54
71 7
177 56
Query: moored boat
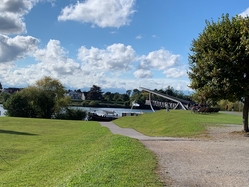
105 115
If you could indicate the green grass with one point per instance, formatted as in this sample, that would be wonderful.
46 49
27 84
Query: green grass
37 152
176 123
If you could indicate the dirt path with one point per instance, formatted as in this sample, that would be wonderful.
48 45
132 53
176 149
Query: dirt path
220 158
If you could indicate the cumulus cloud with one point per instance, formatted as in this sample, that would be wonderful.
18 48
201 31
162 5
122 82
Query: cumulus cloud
12 49
12 12
11 24
175 72
141 73
94 67
107 13
116 57
53 60
245 13
17 6
160 60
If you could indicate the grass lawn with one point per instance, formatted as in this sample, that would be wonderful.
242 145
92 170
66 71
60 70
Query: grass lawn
176 123
39 152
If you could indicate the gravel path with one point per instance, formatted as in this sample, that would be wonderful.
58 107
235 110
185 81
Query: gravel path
218 158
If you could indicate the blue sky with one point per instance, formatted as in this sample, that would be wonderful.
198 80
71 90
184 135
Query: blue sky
115 44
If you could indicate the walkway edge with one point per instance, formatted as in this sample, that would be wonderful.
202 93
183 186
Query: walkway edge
137 135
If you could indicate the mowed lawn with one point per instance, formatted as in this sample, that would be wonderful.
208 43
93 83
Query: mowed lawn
39 152
176 123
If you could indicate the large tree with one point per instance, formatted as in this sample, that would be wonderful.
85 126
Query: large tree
95 93
55 91
219 63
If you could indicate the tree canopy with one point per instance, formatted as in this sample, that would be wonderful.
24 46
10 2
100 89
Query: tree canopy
44 98
219 63
95 93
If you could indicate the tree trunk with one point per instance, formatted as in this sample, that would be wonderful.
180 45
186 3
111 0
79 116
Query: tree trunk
245 114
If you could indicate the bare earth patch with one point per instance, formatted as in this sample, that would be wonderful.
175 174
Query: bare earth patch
220 158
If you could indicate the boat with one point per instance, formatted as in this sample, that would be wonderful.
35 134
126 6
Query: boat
104 115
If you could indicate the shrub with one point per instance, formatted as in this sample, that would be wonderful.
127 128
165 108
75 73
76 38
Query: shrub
71 114
94 104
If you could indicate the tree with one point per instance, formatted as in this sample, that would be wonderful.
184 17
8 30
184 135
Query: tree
17 105
54 90
95 93
44 98
219 67
1 87
108 96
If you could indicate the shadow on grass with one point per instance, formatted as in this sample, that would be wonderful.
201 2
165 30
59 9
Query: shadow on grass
16 133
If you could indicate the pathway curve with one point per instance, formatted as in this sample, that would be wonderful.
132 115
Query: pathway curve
135 134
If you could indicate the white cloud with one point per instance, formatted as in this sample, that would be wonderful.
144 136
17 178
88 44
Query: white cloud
116 57
12 49
113 32
12 15
53 60
106 68
160 60
12 12
141 73
11 24
107 13
175 72
139 37
245 13
20 7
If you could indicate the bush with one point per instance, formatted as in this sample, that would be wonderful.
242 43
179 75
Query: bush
17 105
71 114
94 104
85 103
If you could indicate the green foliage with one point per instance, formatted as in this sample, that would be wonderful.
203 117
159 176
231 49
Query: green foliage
43 152
94 103
108 96
95 93
44 98
219 61
219 66
71 114
238 106
85 103
18 105
176 123
4 96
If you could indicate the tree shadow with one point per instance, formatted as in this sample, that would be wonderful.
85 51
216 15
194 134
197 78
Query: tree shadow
16 133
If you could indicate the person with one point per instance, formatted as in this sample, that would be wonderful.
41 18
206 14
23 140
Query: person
167 107
188 106
227 108
232 108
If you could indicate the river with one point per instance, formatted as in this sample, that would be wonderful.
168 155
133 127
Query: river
119 111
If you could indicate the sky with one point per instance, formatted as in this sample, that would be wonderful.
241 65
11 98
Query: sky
117 45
